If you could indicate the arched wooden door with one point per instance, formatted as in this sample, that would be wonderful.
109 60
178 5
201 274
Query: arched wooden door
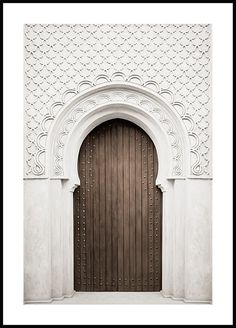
117 211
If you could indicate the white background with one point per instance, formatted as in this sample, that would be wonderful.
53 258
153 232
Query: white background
15 16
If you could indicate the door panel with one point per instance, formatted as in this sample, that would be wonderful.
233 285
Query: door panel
117 211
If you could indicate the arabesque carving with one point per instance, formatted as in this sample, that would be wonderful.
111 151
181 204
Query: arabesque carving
63 60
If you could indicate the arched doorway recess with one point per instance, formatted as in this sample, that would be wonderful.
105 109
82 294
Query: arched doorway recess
117 211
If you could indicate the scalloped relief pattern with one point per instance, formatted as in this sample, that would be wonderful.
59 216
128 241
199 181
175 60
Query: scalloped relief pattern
170 59
122 96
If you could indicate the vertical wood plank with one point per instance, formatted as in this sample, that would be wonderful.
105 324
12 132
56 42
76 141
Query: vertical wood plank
150 213
126 206
144 214
102 200
157 230
157 242
132 223
83 220
108 205
120 188
138 206
114 210
96 206
87 218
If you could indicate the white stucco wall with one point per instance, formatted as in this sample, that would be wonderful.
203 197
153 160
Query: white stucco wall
158 76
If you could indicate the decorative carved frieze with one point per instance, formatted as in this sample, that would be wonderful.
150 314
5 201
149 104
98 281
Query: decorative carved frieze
121 96
172 60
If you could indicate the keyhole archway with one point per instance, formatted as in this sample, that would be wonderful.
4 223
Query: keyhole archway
160 121
117 211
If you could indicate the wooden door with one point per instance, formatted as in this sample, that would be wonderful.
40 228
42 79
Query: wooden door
117 211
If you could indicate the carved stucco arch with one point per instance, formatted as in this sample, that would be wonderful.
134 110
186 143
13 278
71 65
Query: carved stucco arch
104 113
151 111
